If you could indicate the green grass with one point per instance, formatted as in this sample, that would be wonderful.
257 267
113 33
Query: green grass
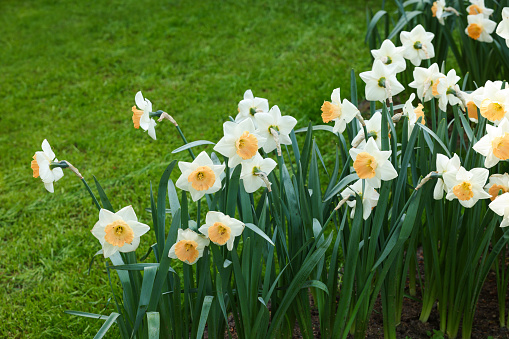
70 71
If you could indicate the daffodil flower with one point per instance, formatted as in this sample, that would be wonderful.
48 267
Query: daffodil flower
426 81
189 246
118 231
501 207
493 101
255 173
495 144
272 122
471 107
477 7
466 186
445 165
250 106
372 164
390 56
480 27
374 128
497 185
240 142
41 166
438 10
222 229
200 177
503 26
141 116
448 91
381 83
417 45
340 113
413 114
369 198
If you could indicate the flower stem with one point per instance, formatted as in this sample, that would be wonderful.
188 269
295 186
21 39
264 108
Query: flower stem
94 199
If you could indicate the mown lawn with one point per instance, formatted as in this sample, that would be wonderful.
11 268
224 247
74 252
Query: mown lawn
70 70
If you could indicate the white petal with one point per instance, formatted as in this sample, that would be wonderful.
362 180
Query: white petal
127 213
140 101
130 247
109 249
46 148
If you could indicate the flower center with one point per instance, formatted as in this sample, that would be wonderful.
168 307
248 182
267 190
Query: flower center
219 233
434 88
496 190
434 9
365 165
492 111
418 45
136 116
420 114
246 145
501 147
474 31
252 111
474 10
118 233
330 111
35 167
381 82
186 250
387 60
472 110
463 191
202 178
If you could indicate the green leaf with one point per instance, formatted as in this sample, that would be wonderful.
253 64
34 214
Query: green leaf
340 186
316 128
207 302
106 326
104 199
316 284
87 315
373 22
403 21
146 290
153 322
431 133
191 145
161 205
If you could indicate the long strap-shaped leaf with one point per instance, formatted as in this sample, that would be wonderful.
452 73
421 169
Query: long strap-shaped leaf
106 326
146 290
207 302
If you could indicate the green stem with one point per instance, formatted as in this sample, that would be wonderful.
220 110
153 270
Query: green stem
94 199
185 141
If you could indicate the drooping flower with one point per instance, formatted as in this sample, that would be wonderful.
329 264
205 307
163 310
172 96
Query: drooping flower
501 207
340 113
240 142
374 128
445 165
118 231
381 83
480 27
438 10
390 56
426 81
369 198
448 91
372 164
503 26
250 106
255 172
495 144
282 125
141 116
41 166
417 45
477 7
497 185
466 186
221 229
200 177
493 101
189 246
413 114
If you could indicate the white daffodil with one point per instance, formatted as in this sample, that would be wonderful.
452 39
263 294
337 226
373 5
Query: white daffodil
426 81
501 207
381 83
503 26
41 166
471 107
466 186
372 164
221 229
390 56
255 173
374 128
118 231
340 113
413 114
495 144
200 177
250 106
240 142
189 246
480 27
438 10
282 126
448 91
369 198
417 45
445 165
141 116
477 7
493 101
497 185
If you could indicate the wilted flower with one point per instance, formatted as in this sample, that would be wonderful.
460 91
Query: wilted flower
426 81
503 26
498 184
369 197
445 165
41 166
221 229
200 177
448 91
480 27
118 231
282 125
390 55
417 44
340 113
372 164
250 106
189 246
501 207
240 142
495 144
255 173
466 186
374 128
141 116
381 83
477 7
